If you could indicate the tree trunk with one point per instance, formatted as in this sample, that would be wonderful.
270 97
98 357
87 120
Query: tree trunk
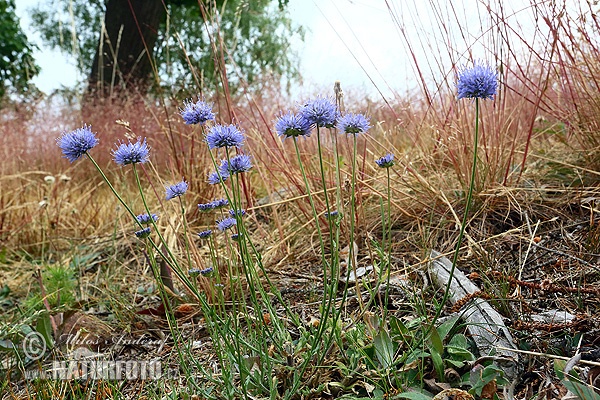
124 58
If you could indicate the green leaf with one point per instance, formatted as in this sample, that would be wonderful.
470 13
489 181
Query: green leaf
559 368
455 363
445 328
436 341
384 348
415 355
490 373
44 327
6 344
459 340
438 364
399 330
5 291
459 353
584 392
413 396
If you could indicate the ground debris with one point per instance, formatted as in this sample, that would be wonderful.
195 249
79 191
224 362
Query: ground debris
483 322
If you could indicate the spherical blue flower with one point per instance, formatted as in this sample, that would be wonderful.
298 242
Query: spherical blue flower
220 203
205 207
353 124
480 81
386 161
76 143
143 233
292 125
226 223
321 112
239 213
196 113
203 272
176 190
224 136
205 234
146 219
236 165
131 153
214 178
332 214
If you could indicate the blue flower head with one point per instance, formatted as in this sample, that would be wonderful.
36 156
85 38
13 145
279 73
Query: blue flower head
236 165
353 124
76 143
292 125
146 219
321 112
205 234
196 113
176 190
220 203
478 82
226 223
239 213
143 233
131 153
205 207
214 178
335 214
203 272
236 237
224 136
386 161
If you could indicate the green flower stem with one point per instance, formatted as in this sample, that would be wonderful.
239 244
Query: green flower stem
464 220
329 288
185 234
324 304
105 178
324 182
352 225
215 323
338 173
171 260
172 322
314 209
387 226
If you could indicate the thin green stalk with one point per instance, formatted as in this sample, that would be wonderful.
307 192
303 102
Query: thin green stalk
172 322
185 234
353 223
387 227
171 260
464 220
329 288
302 368
324 182
314 209
338 174
351 255
105 178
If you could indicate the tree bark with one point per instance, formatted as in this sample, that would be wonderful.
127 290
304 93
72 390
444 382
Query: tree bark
124 57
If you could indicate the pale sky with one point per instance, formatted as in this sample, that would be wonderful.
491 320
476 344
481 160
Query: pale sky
359 42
